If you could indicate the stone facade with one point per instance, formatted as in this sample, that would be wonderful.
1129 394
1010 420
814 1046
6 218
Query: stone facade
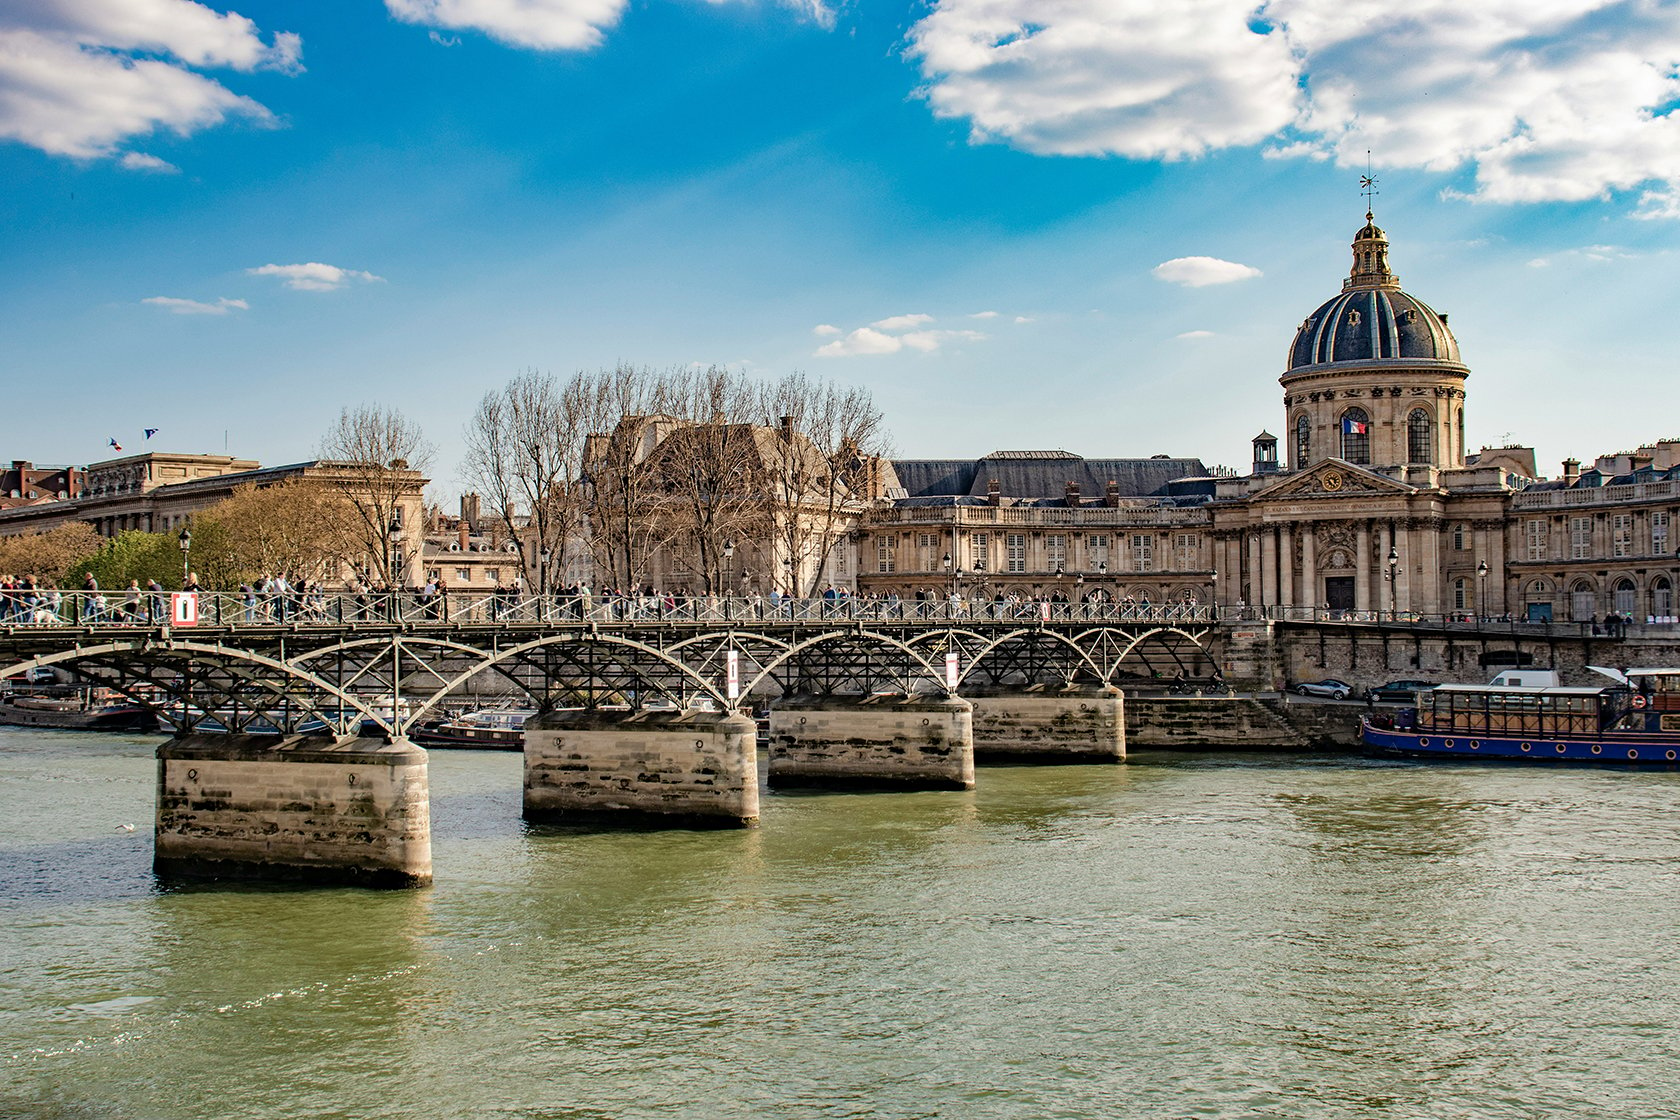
1073 724
878 742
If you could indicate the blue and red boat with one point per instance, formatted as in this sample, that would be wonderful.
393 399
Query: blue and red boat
1636 721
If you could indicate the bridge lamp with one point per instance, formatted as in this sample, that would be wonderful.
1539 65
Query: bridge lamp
185 541
1482 573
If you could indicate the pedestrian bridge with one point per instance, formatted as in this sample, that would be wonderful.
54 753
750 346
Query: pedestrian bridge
387 662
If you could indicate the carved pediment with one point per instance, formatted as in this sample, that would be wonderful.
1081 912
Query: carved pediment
1332 478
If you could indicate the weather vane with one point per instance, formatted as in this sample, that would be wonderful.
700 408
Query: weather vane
1368 185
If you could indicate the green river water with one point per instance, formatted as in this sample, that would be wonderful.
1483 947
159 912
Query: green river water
1182 936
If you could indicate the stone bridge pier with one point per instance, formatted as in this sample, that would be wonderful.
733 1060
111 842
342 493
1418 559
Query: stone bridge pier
1049 723
880 741
305 808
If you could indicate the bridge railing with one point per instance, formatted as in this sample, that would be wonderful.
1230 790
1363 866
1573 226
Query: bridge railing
256 609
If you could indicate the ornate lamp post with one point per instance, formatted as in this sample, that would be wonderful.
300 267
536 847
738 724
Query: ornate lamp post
1393 582
1481 596
950 571
185 541
728 563
393 549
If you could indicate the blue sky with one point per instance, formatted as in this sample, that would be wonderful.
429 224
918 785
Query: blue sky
239 218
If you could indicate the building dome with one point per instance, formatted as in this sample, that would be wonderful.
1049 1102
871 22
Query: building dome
1373 320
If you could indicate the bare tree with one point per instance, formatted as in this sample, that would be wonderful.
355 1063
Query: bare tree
712 471
525 453
627 410
827 441
295 528
376 458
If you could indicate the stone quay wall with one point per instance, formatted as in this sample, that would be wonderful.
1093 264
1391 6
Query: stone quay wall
876 742
303 808
649 768
1050 724
1219 723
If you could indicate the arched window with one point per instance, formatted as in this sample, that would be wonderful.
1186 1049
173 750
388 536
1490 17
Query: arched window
1662 599
1356 436
1418 449
1303 441
1626 597
1583 601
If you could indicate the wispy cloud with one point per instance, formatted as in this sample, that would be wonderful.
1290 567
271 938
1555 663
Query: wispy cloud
178 306
1195 334
1199 272
82 78
891 335
545 25
1566 100
140 161
314 276
1592 254
823 330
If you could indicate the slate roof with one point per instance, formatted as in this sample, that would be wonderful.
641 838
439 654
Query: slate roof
1035 475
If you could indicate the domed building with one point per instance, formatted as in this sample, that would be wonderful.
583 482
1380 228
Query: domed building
1374 375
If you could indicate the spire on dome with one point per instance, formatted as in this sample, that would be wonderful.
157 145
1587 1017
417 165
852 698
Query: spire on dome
1370 259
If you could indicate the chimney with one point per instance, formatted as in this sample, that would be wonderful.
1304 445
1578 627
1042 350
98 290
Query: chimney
1071 498
461 534
1111 499
469 510
994 493
787 429
1571 470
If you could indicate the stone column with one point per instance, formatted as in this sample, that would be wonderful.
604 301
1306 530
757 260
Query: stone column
1498 589
1362 567
1286 567
874 742
354 811
1252 571
1268 567
1311 596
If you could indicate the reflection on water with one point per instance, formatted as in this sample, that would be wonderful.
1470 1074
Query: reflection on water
1198 937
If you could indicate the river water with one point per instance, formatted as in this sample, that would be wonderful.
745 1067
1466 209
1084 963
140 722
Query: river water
1213 936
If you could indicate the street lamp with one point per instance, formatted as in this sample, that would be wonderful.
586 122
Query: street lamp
1481 598
1393 582
728 563
393 536
185 541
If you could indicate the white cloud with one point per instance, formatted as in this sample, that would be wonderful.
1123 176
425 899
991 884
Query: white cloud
1592 254
195 307
902 322
864 340
79 78
868 340
1537 99
825 329
1195 334
1199 272
140 161
984 315
545 25
1024 319
314 276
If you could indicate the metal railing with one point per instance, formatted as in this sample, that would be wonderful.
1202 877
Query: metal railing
81 609
233 609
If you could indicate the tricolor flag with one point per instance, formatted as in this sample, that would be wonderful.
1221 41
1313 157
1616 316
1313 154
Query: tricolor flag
115 445
150 432
1352 427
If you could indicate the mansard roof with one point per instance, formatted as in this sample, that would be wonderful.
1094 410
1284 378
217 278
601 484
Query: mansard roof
1045 474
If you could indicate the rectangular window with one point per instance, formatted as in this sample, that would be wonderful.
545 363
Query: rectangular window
494 575
928 545
982 545
1055 552
463 575
1659 533
1458 538
1143 552
1186 547
1580 538
1621 534
885 548
1015 545
1539 539
1096 550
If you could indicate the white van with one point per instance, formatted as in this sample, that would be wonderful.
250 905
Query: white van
1525 678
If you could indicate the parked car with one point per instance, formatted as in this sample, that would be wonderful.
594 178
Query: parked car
1334 689
1401 692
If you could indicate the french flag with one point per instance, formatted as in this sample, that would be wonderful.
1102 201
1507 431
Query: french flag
1352 427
